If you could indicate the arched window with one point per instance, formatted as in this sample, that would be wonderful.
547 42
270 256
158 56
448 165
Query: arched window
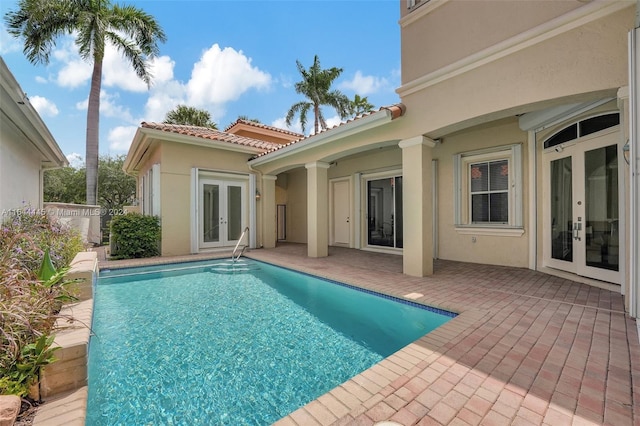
583 128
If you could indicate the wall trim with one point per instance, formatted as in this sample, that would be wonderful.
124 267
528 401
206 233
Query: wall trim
562 24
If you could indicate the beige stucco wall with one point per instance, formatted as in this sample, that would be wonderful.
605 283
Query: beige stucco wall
296 202
587 62
20 176
461 28
496 250
176 161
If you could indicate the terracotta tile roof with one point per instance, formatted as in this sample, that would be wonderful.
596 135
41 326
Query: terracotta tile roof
396 110
211 134
263 126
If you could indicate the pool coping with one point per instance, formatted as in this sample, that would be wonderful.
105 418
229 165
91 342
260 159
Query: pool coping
365 390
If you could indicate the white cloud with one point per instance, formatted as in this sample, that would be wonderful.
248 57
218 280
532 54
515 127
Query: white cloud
75 160
109 107
333 121
41 80
365 85
120 138
281 123
222 75
8 43
118 72
44 106
74 71
164 97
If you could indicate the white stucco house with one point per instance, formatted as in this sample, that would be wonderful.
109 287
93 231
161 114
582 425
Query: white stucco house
27 147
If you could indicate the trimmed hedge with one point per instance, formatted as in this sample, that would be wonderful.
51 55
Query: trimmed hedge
134 236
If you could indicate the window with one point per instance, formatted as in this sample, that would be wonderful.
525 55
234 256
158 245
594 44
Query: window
488 186
583 128
489 191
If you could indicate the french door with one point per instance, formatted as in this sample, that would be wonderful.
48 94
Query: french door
582 225
221 216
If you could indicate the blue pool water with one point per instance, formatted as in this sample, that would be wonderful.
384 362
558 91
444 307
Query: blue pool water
194 345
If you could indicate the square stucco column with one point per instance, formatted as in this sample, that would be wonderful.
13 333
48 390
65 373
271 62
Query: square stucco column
417 259
317 209
268 200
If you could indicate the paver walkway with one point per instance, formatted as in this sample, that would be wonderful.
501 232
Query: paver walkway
526 348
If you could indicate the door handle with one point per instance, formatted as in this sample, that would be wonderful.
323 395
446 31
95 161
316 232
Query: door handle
577 227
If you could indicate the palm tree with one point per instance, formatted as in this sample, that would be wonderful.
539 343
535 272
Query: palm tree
96 23
360 105
183 114
316 87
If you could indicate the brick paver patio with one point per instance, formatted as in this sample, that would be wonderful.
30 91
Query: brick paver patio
527 349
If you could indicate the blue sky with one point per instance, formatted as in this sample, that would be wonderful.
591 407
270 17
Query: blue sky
229 57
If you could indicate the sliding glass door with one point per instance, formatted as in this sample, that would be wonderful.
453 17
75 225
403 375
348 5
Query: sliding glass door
384 212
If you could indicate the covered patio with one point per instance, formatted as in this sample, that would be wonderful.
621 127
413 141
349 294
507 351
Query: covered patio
527 348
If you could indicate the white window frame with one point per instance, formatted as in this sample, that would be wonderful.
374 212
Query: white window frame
462 196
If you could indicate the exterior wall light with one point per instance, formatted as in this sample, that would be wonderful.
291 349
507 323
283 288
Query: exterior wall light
625 152
258 196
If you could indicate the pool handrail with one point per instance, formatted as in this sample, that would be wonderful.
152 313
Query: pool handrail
244 246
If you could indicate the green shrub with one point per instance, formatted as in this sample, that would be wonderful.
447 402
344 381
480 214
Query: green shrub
134 235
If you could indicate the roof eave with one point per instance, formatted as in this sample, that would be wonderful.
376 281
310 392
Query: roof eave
374 120
145 136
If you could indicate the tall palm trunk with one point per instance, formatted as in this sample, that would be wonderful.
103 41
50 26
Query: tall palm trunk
316 112
93 126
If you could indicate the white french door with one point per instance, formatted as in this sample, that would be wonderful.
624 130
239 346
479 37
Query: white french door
221 213
582 226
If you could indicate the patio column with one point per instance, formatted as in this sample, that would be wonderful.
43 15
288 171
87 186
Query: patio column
317 209
268 200
417 216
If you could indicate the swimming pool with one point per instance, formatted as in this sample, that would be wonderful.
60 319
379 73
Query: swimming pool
196 344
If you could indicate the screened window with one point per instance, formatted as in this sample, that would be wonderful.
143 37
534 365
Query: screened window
489 188
489 191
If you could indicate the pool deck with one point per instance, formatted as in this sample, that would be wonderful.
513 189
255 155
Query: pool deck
527 348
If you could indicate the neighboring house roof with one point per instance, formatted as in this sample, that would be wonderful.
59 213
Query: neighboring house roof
240 122
18 111
211 134
384 114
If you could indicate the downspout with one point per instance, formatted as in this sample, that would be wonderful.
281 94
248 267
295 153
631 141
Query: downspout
634 119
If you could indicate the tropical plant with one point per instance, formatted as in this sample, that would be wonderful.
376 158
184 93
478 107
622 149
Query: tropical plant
29 306
95 24
360 105
316 87
191 116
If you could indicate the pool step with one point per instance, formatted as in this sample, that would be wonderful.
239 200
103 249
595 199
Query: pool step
231 267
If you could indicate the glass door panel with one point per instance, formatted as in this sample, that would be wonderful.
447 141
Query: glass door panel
601 208
384 212
561 209
234 212
210 213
